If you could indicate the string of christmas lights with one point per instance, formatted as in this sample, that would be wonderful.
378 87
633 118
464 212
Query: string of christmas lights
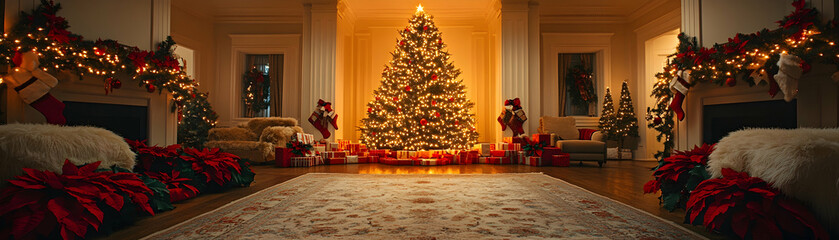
46 33
607 117
421 104
751 58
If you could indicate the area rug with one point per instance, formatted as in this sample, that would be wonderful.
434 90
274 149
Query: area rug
466 206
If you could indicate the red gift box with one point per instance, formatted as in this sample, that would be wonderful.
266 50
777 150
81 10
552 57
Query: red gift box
467 157
499 153
433 162
394 161
519 140
334 154
364 159
550 151
306 161
535 161
282 157
543 139
495 160
379 153
561 160
337 161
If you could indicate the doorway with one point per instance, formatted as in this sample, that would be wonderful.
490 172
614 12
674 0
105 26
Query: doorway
656 51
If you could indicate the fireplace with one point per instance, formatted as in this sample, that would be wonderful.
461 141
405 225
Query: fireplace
125 120
720 119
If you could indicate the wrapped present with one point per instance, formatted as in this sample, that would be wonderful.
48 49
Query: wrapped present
561 160
502 153
433 162
364 159
495 160
536 161
356 149
318 148
336 161
282 157
352 159
467 157
612 153
332 146
550 151
343 144
520 156
428 153
395 161
379 153
306 161
543 139
403 154
305 138
509 146
334 154
484 148
373 159
519 140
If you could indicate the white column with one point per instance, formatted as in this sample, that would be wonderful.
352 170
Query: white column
319 47
161 18
516 69
535 96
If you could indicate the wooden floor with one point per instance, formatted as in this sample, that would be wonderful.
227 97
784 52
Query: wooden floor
619 180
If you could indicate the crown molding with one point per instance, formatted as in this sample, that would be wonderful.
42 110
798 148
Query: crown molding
582 19
645 8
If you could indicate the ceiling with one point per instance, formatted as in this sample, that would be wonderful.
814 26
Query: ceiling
222 10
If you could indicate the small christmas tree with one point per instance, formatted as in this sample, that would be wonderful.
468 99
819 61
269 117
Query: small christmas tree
626 124
421 104
607 117
196 118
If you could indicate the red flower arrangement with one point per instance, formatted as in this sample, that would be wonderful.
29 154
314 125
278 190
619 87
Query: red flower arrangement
677 175
532 147
750 208
298 148
147 156
178 187
213 164
38 202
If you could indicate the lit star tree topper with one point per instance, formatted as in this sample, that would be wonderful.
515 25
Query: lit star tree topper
421 104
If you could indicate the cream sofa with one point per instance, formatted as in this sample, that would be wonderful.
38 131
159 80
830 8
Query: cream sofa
565 128
256 139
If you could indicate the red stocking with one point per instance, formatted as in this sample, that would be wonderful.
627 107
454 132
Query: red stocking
51 108
501 121
676 105
317 120
680 87
516 126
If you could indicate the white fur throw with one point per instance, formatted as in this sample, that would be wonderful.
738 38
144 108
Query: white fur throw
801 163
45 146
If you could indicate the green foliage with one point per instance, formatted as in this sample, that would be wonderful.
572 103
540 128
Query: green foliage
160 201
581 89
198 118
243 179
626 124
255 91
607 117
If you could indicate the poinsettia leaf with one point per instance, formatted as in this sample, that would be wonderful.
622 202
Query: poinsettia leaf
69 168
160 200
794 218
670 201
21 200
66 213
26 220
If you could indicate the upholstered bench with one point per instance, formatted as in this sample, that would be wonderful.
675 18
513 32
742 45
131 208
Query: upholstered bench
802 163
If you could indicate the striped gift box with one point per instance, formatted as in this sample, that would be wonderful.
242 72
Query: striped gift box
535 161
495 160
305 138
306 161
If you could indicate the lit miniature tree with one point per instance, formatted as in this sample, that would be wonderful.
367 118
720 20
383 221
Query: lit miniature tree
608 117
626 124
421 104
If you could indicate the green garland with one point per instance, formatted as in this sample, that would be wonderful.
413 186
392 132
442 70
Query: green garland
44 31
751 58
255 91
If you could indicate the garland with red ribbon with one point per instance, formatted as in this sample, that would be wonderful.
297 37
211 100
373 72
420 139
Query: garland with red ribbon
582 89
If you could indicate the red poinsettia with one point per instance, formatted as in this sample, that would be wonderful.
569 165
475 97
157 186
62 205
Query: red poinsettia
750 207
147 155
217 166
735 45
676 167
179 190
38 202
801 18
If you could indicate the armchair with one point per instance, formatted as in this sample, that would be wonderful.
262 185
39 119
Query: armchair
579 147
256 139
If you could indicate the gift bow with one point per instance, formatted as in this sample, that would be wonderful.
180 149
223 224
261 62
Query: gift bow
326 105
533 148
516 103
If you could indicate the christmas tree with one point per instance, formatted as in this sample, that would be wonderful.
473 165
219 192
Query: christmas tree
626 124
607 117
421 104
195 120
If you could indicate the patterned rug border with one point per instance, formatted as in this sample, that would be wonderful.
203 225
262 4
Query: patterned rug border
475 174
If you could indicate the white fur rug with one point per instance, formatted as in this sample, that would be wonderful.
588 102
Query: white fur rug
801 163
45 146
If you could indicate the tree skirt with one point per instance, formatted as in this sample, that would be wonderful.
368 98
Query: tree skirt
353 206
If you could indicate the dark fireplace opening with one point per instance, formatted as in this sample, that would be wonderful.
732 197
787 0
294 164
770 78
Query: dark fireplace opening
128 121
721 119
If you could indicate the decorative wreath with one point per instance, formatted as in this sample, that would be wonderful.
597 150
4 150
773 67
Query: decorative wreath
256 90
582 88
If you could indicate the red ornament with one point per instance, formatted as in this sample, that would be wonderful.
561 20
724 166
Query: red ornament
377 98
409 61
399 109
434 76
395 99
731 82
456 122
423 122
407 29
436 114
657 120
116 84
402 42
373 133
439 41
424 27
433 102
150 88
369 110
408 88
451 99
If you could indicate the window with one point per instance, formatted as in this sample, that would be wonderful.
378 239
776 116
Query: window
577 81
262 85
186 57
